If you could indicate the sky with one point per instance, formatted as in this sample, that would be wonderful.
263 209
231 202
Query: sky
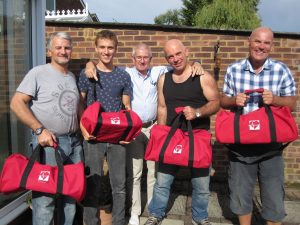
279 15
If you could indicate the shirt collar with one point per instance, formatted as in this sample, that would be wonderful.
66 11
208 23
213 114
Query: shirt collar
142 75
248 67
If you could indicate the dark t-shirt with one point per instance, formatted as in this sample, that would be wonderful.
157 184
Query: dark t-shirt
187 93
109 88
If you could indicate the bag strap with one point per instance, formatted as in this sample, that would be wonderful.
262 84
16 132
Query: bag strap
129 125
30 165
191 141
271 119
174 127
268 111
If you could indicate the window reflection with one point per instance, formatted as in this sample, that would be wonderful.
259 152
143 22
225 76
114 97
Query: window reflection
15 51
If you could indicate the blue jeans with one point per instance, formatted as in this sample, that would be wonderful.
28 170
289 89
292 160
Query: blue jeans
43 204
200 195
116 158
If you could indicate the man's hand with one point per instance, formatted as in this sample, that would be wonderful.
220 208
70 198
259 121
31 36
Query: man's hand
124 142
240 99
197 69
85 134
90 70
267 97
189 112
46 138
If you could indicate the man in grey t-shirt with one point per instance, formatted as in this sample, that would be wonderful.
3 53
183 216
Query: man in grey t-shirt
47 101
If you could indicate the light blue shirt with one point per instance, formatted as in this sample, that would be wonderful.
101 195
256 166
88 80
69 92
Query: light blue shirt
144 101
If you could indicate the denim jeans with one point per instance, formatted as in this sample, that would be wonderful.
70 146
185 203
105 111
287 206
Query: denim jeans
116 158
200 195
43 205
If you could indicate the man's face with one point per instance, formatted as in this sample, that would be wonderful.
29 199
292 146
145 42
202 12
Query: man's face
260 46
142 60
106 50
60 51
176 55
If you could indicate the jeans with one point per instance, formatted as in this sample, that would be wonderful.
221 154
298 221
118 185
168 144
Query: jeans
135 152
43 204
116 158
200 195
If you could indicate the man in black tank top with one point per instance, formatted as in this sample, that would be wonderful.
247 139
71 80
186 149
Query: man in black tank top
199 97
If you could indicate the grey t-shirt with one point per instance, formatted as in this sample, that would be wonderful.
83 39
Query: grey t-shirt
55 98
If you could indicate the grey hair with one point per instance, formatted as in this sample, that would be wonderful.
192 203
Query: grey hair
144 46
63 35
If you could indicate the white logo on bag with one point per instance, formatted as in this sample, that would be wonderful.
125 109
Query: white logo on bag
177 149
254 125
44 176
115 120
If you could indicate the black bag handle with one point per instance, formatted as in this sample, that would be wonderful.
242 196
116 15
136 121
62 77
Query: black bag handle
34 156
269 113
175 125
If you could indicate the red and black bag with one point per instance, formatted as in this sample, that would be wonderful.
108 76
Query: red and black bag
268 124
171 145
20 173
111 127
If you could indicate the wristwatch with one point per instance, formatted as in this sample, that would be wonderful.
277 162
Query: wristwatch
39 130
198 114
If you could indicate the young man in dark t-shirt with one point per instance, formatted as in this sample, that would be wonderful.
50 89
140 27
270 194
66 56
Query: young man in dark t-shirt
113 88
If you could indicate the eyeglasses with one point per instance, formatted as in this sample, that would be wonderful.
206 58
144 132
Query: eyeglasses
140 58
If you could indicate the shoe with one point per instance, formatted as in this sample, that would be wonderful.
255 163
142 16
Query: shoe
134 220
202 222
153 221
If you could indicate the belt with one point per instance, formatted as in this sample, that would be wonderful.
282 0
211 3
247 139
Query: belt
148 124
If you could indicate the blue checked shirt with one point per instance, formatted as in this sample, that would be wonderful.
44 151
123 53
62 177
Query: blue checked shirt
274 76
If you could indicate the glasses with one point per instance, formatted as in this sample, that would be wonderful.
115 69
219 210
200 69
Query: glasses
140 58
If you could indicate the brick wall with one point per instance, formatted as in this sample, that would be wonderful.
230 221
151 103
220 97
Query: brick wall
233 46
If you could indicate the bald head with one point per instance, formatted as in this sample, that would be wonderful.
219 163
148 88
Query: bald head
176 54
259 30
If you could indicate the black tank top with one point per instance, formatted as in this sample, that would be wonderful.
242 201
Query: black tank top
187 93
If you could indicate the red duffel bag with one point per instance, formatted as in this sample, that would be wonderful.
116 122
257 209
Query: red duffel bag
268 124
171 145
111 127
20 173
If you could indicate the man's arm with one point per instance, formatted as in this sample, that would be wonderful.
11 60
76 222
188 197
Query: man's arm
161 106
90 69
19 105
211 93
270 99
126 102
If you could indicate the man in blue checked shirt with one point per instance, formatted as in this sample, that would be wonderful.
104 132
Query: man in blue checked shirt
262 161
144 102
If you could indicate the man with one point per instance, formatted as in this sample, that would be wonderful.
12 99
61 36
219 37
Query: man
144 102
47 102
265 162
113 89
200 98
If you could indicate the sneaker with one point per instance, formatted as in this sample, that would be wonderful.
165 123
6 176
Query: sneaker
153 221
134 220
202 222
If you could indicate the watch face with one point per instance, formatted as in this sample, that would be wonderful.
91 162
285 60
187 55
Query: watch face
197 114
39 131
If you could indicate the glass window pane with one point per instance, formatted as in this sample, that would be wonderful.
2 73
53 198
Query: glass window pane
15 60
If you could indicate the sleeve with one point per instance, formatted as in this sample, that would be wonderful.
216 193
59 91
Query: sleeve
83 82
29 84
288 87
228 84
127 90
